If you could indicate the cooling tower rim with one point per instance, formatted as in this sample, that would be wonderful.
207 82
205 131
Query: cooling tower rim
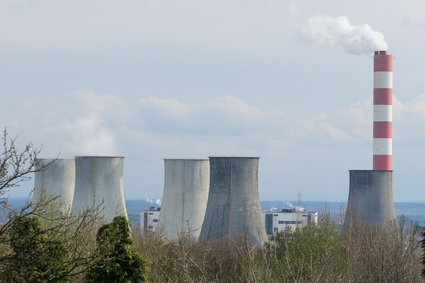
185 159
351 170
97 156
236 157
51 159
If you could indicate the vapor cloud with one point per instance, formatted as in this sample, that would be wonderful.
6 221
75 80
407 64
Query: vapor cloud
339 32
153 201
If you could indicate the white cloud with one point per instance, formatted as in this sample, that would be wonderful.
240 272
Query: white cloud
84 123
332 132
166 106
235 107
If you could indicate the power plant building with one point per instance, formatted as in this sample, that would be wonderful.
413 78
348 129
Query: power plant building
149 219
99 182
186 185
233 204
56 179
288 218
371 191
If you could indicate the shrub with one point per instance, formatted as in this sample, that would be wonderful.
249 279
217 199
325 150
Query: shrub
35 256
115 260
306 255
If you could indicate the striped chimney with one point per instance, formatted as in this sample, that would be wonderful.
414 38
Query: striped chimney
382 110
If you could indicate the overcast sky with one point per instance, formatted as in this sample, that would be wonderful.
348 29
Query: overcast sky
154 79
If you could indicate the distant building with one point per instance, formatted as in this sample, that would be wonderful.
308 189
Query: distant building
149 219
291 218
275 220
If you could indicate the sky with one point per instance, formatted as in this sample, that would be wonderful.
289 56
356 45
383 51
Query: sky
155 79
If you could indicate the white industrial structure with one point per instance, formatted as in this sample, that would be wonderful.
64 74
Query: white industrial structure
99 182
56 179
149 219
288 218
186 185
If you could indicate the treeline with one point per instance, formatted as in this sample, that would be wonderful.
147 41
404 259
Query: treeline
42 244
321 253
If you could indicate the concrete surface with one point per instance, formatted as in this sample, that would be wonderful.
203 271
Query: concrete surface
99 181
233 204
57 180
186 184
370 197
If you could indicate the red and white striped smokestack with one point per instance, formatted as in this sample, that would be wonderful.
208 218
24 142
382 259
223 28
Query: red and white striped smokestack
382 111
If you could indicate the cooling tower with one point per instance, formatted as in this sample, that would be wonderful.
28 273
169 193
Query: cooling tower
186 184
56 180
370 198
371 191
233 202
99 181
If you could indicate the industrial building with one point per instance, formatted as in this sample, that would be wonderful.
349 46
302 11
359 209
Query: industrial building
275 221
56 179
99 183
149 219
233 207
371 191
288 218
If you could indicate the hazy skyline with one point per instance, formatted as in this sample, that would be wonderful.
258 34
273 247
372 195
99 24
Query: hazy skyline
161 79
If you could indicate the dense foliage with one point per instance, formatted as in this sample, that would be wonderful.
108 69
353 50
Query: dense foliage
115 259
35 257
317 253
304 253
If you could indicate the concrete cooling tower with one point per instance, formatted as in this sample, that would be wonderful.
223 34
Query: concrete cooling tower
371 191
186 184
233 203
56 180
99 180
370 197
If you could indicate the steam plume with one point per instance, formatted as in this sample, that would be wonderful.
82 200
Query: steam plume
296 207
340 32
154 201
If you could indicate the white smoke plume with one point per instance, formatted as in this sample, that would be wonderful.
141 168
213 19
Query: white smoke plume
296 207
153 201
360 39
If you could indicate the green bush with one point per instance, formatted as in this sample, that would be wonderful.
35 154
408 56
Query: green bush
35 257
306 254
115 260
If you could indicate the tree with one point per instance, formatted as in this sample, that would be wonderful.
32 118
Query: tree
36 257
115 259
44 244
16 165
44 227
304 255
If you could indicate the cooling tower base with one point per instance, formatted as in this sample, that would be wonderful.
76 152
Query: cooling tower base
57 180
233 207
185 197
99 183
370 198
